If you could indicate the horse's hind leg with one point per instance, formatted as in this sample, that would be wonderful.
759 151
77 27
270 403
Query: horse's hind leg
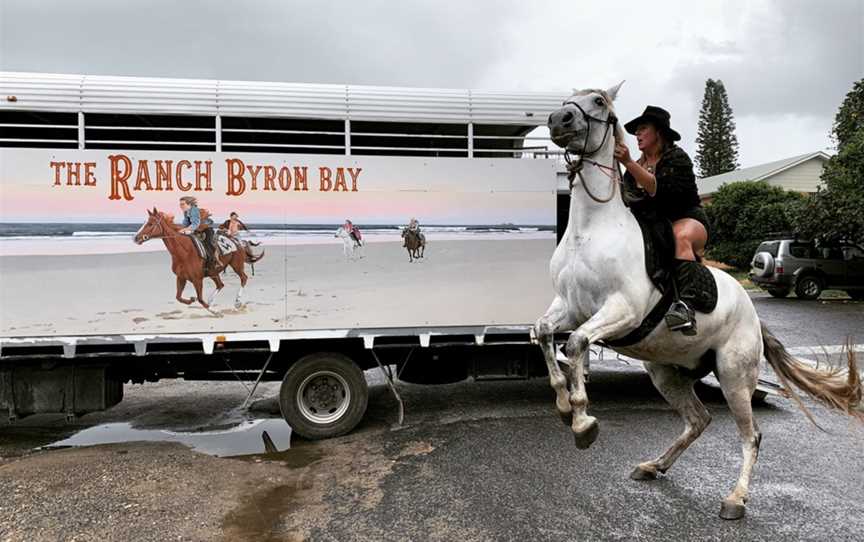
738 374
556 318
677 389
238 268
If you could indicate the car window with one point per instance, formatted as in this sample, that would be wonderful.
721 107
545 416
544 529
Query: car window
769 247
800 250
829 253
853 252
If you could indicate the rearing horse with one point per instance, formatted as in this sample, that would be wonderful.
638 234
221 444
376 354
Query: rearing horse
187 264
601 294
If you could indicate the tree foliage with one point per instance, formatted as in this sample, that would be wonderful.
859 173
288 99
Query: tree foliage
716 144
742 214
849 120
837 209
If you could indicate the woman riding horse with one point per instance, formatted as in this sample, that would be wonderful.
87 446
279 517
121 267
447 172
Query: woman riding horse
664 173
194 222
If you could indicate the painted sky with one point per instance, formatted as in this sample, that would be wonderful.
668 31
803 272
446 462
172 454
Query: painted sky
787 64
390 190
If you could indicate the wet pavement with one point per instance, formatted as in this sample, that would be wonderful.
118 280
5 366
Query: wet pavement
473 461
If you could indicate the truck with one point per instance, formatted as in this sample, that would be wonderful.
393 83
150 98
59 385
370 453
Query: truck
363 227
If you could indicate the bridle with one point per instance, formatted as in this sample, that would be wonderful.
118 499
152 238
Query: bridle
162 234
574 168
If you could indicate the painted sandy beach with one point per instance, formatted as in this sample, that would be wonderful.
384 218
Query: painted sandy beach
299 286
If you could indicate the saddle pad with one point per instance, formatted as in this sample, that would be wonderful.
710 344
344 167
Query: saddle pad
199 246
227 245
704 289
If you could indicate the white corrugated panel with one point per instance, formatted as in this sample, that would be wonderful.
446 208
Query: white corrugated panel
40 91
408 104
504 107
148 95
252 98
296 100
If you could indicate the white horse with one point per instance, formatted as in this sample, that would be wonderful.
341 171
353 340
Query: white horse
352 248
603 293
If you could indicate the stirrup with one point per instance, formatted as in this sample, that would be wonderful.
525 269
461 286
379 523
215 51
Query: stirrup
676 321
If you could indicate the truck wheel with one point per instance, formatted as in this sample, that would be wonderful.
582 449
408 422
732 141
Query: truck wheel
323 395
779 292
808 287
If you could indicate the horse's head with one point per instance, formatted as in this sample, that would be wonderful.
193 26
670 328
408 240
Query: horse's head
582 124
154 228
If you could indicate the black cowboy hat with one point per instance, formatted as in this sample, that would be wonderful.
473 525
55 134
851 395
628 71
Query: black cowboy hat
657 116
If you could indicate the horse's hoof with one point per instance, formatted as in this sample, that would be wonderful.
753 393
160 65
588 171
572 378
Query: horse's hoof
192 299
642 474
731 510
584 439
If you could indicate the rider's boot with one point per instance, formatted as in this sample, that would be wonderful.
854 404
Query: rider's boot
681 316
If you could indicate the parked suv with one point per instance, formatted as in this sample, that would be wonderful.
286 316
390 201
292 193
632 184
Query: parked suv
808 267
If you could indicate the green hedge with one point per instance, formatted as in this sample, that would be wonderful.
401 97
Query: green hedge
743 214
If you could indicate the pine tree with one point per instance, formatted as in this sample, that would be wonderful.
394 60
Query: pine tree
716 144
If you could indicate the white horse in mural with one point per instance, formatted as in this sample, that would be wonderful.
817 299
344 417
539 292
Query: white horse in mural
602 293
352 248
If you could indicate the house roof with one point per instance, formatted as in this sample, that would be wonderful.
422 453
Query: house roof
761 172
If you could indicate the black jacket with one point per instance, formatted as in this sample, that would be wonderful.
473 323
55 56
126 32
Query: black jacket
676 187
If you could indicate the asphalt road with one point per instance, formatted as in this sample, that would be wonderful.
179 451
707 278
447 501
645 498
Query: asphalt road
474 461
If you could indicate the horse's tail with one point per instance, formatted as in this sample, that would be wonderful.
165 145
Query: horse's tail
837 388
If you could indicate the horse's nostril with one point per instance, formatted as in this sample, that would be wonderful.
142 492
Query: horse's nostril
567 118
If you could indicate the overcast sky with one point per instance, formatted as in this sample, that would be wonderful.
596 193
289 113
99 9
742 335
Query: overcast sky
787 64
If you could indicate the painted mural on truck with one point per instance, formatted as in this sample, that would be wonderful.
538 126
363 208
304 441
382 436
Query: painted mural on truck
128 242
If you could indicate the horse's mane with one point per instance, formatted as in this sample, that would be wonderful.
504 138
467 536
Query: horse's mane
619 131
169 218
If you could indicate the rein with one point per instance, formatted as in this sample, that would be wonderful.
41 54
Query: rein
574 168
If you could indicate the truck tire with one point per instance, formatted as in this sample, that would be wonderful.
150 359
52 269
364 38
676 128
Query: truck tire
779 292
323 395
763 264
808 287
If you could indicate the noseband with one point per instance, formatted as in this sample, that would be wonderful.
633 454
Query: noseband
574 168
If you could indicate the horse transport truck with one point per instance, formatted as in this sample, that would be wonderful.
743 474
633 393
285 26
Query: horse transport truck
103 278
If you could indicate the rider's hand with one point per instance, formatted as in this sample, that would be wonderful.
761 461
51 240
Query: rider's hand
622 153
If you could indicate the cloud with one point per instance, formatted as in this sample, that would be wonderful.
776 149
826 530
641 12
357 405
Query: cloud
423 43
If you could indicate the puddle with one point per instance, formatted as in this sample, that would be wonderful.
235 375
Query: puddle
244 439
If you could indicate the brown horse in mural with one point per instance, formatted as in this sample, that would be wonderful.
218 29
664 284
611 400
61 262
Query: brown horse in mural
187 264
415 244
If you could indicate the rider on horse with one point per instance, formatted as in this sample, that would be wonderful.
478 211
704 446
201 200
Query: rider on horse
664 173
233 225
197 220
353 231
414 228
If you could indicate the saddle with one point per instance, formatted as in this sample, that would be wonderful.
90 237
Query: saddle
225 244
659 241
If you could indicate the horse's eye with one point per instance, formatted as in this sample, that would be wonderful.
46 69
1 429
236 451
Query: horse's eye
599 101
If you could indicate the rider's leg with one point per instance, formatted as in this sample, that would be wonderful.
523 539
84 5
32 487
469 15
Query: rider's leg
209 250
690 239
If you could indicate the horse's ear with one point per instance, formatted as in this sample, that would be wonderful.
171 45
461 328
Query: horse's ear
613 91
149 212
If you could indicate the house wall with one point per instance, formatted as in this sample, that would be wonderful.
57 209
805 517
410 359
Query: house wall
801 178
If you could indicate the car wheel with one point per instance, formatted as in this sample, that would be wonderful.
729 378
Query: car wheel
323 395
857 295
779 292
808 287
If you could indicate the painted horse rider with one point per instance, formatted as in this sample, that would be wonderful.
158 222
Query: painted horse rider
664 177
196 220
233 225
414 227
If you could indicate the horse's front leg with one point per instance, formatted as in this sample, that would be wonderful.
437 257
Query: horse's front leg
614 318
556 318
181 285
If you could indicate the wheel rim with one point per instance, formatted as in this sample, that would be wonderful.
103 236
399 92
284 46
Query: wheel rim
810 287
323 397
